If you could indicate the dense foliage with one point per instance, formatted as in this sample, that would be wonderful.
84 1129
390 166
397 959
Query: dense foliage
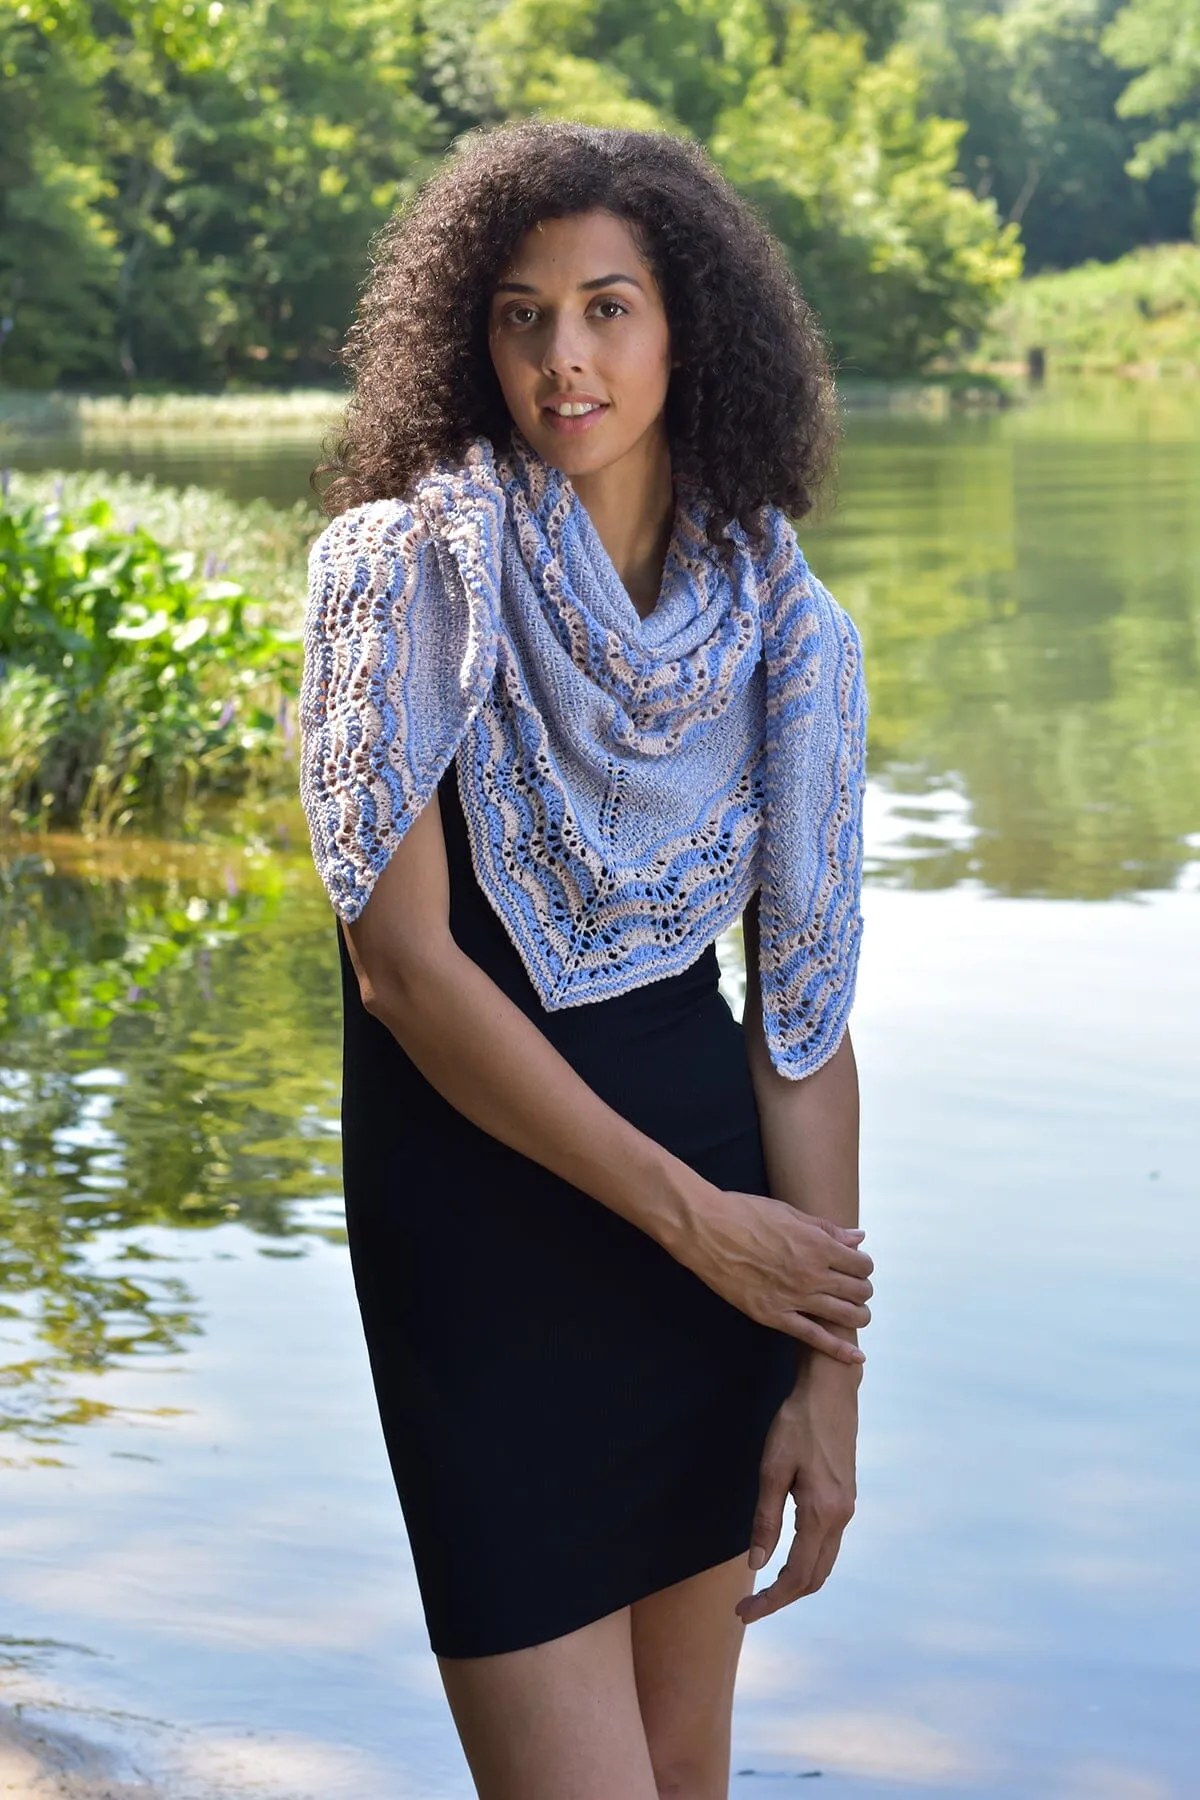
1141 313
1160 40
263 546
188 188
1049 131
127 683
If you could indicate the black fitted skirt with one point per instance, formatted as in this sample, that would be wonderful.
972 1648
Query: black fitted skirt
573 1419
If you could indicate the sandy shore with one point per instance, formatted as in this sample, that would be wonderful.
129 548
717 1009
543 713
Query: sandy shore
40 1761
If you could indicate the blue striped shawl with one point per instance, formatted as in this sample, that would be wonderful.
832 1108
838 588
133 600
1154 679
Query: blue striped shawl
628 784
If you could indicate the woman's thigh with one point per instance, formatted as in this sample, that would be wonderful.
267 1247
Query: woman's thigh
686 1643
559 1721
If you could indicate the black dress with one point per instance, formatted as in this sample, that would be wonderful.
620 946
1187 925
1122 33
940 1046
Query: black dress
573 1419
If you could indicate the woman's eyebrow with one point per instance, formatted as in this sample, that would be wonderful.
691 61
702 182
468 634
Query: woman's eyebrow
604 281
585 287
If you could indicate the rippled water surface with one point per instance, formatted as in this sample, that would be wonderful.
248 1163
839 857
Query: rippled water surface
204 1571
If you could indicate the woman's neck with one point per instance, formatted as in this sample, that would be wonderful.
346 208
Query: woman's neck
632 506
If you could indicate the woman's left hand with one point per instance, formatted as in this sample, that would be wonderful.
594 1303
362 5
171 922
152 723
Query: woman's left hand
809 1453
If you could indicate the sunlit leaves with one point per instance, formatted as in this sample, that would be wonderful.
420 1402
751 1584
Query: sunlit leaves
836 148
156 687
1038 91
1160 40
207 177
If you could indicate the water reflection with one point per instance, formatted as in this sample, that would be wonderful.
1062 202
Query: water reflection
1030 596
276 469
168 1057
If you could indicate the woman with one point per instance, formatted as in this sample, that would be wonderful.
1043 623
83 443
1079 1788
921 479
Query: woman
572 704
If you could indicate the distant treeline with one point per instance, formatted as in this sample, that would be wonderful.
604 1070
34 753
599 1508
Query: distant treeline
187 189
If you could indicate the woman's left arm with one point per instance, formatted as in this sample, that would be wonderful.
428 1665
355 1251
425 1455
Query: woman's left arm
810 1143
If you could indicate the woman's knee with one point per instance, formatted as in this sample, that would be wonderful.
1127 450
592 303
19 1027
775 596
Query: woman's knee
694 1772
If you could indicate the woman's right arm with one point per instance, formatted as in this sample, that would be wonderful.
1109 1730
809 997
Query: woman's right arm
794 1273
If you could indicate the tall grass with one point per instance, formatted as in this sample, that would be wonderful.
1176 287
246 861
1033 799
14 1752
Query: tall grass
309 412
1140 315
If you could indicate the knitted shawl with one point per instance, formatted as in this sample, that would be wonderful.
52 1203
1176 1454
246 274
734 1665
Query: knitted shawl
628 784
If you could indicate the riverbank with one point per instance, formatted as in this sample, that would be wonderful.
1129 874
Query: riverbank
40 1761
310 416
1139 316
302 412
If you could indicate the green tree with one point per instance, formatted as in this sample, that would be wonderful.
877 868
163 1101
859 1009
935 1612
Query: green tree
1161 39
190 185
1039 97
58 246
837 150
879 21
224 169
256 149
859 182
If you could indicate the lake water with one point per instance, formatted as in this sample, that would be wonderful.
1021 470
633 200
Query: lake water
205 1585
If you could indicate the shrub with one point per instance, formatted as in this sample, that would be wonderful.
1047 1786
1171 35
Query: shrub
1141 313
127 683
264 547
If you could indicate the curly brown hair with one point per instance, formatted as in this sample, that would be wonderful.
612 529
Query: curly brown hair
751 417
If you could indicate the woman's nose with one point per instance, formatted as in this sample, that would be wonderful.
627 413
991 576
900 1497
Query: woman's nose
564 352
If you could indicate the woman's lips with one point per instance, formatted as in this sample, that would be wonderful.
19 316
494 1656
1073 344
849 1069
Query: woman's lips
572 426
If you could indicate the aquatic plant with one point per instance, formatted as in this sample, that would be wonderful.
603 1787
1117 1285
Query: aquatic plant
31 710
262 546
130 684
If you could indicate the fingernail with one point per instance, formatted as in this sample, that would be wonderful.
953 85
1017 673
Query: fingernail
758 1557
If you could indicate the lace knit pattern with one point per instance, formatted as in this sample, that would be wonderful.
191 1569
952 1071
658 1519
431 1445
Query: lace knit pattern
628 784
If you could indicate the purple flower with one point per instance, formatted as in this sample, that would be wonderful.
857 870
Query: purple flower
231 884
134 993
226 715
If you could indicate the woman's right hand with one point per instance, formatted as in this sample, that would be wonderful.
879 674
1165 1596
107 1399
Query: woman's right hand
788 1269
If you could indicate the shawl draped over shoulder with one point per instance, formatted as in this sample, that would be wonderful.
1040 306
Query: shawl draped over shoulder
628 784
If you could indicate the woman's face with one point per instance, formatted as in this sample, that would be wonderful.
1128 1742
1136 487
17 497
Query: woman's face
579 341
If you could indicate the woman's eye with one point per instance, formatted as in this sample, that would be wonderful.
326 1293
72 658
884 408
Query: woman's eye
610 309
520 315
